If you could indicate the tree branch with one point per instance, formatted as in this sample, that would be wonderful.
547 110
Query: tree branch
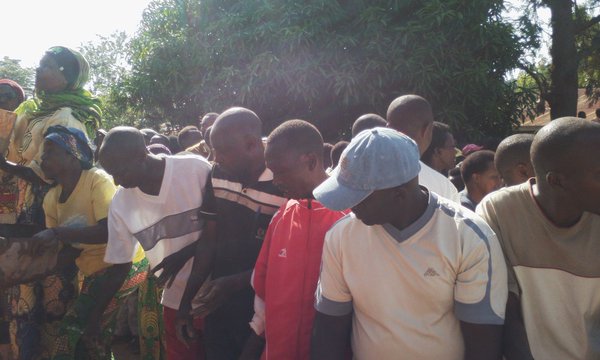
588 24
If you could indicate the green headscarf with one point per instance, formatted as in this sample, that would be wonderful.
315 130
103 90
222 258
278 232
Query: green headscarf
85 107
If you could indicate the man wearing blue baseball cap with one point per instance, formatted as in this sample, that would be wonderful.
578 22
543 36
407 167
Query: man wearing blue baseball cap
406 274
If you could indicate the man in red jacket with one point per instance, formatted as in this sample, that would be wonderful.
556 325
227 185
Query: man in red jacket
287 270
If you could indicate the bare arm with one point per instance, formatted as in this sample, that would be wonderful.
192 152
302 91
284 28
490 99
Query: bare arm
330 337
516 345
482 341
96 234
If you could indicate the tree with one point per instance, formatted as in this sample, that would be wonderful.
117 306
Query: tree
109 67
328 61
24 76
575 53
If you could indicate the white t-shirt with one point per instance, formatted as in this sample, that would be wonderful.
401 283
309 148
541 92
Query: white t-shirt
162 224
438 183
409 289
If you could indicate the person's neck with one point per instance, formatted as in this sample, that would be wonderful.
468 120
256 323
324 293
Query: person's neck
154 173
68 181
559 211
314 181
437 165
416 209
254 173
474 194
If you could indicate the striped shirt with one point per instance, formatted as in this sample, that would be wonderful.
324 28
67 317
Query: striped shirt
243 214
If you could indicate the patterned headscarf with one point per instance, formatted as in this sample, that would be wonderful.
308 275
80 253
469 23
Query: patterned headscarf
16 88
74 142
84 107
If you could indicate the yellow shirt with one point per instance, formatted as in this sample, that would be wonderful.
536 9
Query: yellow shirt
87 204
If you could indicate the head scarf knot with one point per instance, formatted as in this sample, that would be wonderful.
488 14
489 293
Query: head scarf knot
74 142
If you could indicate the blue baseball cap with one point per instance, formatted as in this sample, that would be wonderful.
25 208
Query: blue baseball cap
376 159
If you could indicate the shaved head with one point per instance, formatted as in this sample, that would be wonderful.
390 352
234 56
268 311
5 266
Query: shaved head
122 141
412 115
367 121
512 158
123 155
236 138
237 121
564 146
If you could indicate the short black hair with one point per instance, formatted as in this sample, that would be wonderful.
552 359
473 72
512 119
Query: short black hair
298 135
336 152
160 139
367 121
174 144
188 136
512 151
476 163
438 140
148 134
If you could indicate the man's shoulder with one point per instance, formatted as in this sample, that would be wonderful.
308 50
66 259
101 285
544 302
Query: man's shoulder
185 160
463 220
437 182
509 199
347 225
98 175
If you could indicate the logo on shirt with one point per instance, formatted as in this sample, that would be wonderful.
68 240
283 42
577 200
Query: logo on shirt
283 253
431 272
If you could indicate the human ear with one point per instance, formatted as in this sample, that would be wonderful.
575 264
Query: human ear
523 171
311 160
555 179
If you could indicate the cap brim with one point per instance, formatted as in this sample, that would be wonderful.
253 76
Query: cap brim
336 196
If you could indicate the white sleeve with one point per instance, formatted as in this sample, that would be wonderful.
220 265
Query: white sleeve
452 192
481 290
121 245
332 297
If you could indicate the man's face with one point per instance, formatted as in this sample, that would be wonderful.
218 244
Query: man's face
377 208
489 180
230 152
125 172
290 170
447 154
583 183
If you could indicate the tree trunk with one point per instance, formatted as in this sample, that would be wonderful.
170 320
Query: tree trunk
563 92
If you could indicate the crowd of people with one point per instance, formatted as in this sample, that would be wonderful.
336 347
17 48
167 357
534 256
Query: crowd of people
223 242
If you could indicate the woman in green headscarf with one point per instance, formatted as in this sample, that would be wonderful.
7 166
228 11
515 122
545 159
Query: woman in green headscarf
59 100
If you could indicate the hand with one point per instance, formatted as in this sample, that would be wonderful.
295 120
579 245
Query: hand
212 295
42 242
184 328
171 265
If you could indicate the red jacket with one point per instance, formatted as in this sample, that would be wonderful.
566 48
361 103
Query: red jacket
286 275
